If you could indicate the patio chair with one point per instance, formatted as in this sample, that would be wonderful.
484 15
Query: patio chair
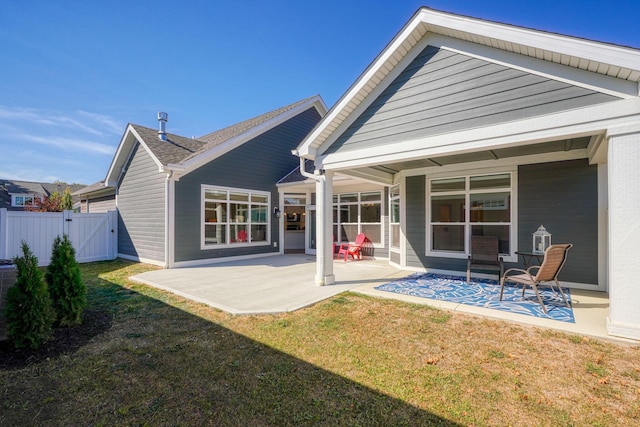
547 273
485 255
352 250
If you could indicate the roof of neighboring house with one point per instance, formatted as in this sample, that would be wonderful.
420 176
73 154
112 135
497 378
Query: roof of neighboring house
184 154
14 187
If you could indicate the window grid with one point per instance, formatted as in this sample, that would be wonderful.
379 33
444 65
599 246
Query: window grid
235 217
357 212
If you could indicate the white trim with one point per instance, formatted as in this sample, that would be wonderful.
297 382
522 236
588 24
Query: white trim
208 261
232 143
574 123
142 260
603 225
126 143
574 76
467 224
228 223
621 330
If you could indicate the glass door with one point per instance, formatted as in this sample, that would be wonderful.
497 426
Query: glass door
311 236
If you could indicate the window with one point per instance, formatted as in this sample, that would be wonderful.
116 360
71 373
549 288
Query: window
355 213
394 216
451 223
20 200
234 216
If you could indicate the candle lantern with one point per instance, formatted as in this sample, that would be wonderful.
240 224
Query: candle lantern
541 240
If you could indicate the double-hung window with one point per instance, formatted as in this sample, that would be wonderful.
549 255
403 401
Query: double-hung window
355 213
489 213
234 216
20 201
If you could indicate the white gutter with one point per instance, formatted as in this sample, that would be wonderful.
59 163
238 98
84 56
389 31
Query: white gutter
167 221
324 264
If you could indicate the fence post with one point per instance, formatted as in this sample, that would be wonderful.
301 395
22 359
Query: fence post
4 230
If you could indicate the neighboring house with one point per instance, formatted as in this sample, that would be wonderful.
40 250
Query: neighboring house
96 198
481 128
14 195
189 201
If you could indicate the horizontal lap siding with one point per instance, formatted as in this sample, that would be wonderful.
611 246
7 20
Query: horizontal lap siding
562 196
256 165
141 209
442 92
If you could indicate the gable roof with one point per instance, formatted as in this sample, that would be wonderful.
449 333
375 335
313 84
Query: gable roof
32 188
602 59
182 155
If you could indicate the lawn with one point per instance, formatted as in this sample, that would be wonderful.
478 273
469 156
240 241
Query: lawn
158 359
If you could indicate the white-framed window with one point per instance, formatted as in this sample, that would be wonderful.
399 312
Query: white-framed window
490 213
355 213
394 216
18 201
235 217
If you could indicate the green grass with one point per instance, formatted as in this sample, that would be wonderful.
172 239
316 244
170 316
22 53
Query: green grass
351 360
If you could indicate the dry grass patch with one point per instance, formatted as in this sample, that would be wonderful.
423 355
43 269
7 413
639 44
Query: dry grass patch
350 360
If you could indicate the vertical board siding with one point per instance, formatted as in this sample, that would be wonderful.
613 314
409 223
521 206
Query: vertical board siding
443 91
562 196
255 165
90 234
141 208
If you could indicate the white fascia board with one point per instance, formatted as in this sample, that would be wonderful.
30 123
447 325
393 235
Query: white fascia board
308 146
618 56
123 153
217 151
575 123
551 70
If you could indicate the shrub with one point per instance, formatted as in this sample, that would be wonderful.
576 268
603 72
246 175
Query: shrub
68 291
28 307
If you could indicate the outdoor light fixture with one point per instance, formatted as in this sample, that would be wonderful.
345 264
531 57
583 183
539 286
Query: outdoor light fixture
541 240
276 212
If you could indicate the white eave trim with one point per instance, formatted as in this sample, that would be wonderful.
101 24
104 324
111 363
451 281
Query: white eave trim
586 121
527 42
217 151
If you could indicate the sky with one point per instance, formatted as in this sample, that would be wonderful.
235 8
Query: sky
74 73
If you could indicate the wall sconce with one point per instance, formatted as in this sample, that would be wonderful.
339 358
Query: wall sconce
541 240
276 212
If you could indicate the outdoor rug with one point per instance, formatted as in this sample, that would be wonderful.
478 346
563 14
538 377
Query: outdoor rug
483 293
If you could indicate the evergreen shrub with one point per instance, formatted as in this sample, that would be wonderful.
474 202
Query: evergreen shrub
68 291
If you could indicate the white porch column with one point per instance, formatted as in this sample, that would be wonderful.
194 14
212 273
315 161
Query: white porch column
624 231
324 225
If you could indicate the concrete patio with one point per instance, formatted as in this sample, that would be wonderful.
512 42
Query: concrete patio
285 283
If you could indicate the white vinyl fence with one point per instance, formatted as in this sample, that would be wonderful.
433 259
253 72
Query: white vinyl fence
93 235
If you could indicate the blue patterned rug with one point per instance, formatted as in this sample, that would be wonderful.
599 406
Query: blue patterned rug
483 293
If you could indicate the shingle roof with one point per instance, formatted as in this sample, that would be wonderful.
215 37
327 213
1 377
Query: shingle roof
295 175
178 149
8 187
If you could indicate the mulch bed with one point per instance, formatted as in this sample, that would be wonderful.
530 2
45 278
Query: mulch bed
63 341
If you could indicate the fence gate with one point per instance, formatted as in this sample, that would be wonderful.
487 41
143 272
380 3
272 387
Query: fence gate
93 235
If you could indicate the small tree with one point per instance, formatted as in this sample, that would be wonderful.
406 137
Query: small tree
66 201
68 291
28 310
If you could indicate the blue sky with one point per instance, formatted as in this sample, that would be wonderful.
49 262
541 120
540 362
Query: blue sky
74 73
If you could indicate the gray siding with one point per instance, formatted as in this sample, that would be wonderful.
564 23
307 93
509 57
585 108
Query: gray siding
563 196
256 165
394 257
141 208
443 91
101 204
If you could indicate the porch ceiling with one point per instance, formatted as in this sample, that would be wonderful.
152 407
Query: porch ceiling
476 156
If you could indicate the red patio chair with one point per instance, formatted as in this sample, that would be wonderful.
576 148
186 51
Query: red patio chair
352 250
242 236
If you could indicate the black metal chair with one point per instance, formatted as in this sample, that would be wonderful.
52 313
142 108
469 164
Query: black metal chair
485 255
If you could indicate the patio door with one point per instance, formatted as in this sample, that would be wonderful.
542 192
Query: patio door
311 230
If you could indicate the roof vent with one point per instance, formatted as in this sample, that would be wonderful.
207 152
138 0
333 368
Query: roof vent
162 121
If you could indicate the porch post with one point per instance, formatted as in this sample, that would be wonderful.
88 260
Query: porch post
324 202
624 231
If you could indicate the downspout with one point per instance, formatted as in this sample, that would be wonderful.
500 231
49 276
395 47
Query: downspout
167 222
324 269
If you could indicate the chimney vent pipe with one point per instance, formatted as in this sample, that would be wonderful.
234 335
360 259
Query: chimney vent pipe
162 121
